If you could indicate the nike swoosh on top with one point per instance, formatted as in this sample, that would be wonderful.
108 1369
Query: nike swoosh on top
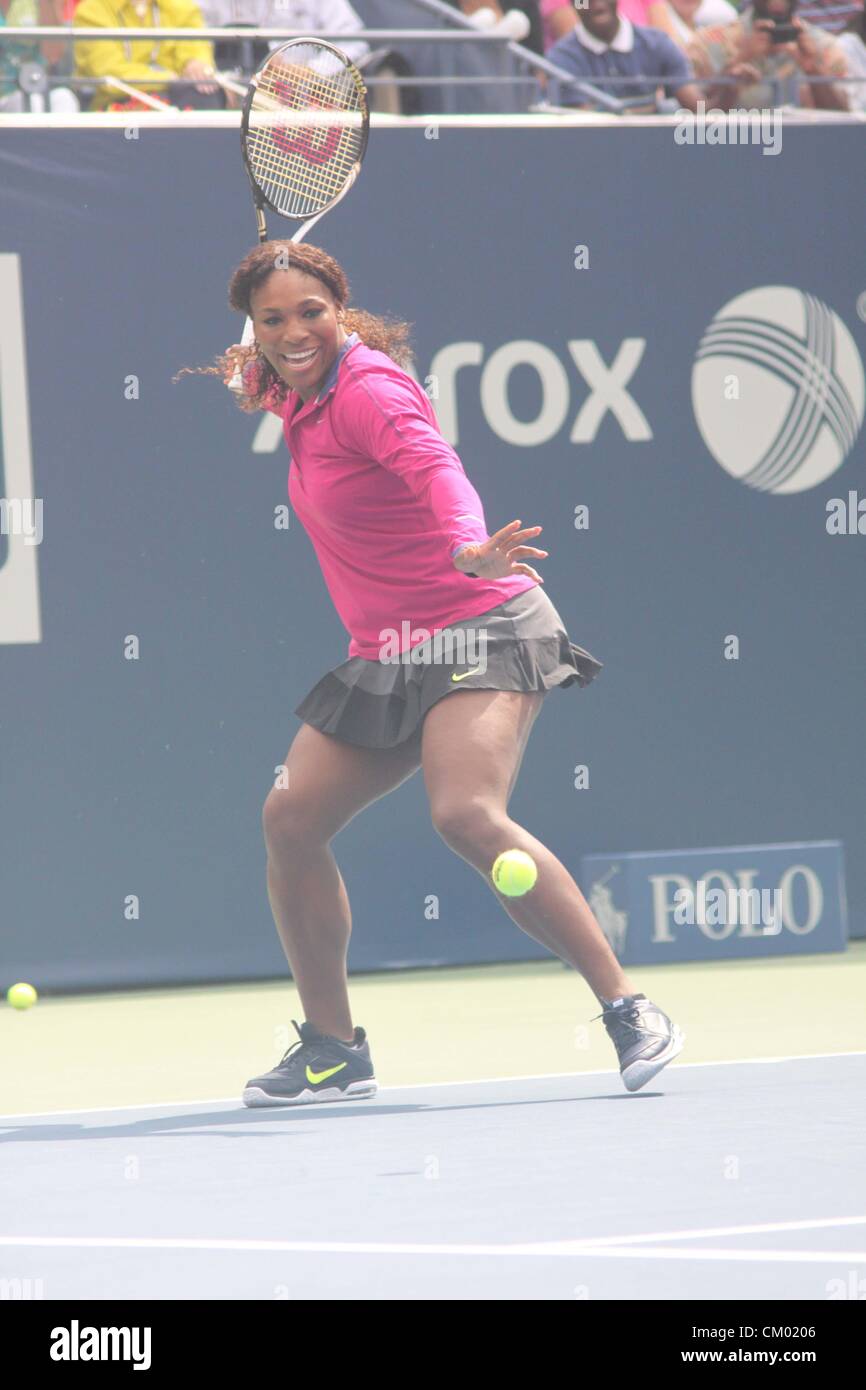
314 1077
473 672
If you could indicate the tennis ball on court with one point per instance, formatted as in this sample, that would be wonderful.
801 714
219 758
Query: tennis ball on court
514 873
21 996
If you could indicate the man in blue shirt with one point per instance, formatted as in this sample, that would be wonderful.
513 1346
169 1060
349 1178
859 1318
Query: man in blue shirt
606 45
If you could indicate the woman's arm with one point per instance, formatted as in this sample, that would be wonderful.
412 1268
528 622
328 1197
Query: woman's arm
387 418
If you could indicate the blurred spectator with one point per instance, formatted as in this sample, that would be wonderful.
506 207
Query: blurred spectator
688 15
334 16
830 14
177 71
534 39
853 45
558 18
714 12
606 45
652 14
768 74
498 9
241 14
24 14
649 13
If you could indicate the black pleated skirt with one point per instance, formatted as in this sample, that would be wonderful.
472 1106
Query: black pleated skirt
521 644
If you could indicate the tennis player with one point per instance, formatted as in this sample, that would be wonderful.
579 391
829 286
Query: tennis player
400 535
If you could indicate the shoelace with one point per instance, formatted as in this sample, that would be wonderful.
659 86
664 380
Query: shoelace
312 1047
618 1021
299 1044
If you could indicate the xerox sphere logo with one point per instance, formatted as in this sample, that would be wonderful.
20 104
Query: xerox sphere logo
778 389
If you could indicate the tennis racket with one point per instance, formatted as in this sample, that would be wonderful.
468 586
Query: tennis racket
304 130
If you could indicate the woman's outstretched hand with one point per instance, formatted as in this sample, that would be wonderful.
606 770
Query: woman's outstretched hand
501 555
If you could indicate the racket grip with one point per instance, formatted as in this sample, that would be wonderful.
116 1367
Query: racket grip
237 382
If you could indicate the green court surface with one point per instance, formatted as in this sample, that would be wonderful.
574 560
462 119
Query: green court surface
425 1026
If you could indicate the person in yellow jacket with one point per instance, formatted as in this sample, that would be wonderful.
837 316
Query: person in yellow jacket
158 63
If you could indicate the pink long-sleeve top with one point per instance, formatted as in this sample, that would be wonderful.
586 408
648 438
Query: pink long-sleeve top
386 504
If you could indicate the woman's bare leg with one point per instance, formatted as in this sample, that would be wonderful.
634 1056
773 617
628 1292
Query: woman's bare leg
473 744
329 782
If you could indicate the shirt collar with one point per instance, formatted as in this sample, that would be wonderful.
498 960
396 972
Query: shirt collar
331 380
623 40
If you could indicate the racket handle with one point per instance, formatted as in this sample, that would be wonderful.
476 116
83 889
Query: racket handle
237 382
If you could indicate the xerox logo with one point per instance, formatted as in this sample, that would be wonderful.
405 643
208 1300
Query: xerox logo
608 385
778 389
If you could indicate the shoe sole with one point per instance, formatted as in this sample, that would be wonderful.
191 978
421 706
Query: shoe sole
357 1090
639 1072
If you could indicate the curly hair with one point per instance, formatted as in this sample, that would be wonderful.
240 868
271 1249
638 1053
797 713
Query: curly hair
264 387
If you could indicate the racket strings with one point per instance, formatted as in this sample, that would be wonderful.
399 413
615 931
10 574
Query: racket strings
300 86
291 181
303 164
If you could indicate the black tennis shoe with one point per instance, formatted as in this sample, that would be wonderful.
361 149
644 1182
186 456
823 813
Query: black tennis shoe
645 1038
316 1068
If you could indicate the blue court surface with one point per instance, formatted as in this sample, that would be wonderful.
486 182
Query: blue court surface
721 1181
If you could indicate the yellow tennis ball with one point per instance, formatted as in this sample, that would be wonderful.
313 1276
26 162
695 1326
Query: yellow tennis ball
21 996
514 872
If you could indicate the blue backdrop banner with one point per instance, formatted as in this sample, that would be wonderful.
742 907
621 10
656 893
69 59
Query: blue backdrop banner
712 904
652 349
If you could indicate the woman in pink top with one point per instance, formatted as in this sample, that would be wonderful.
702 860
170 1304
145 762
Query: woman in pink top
454 644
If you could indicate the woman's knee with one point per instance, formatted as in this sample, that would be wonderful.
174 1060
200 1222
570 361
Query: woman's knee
289 822
465 823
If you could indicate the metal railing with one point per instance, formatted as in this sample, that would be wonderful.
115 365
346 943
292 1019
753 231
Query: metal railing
76 32
578 89
526 57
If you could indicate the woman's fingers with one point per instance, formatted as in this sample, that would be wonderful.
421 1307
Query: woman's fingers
509 533
527 550
506 530
506 543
